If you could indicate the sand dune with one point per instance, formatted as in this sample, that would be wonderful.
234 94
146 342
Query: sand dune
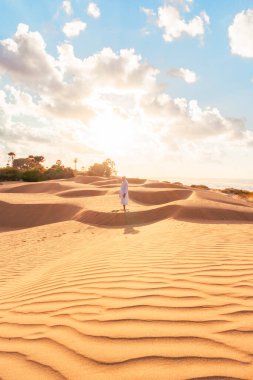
136 181
81 193
48 187
104 182
31 215
159 185
158 197
85 180
164 293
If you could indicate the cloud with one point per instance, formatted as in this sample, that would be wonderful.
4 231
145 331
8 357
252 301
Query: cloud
209 123
67 86
74 28
185 4
124 71
151 17
25 128
24 58
93 10
174 26
185 120
187 75
67 7
240 34
19 121
75 103
145 32
148 12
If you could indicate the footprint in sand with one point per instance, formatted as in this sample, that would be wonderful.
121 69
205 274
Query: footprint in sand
120 211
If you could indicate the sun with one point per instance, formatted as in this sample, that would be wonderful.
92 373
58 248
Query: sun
113 134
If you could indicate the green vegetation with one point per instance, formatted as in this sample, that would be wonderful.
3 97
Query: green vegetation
31 169
201 187
32 175
106 169
58 172
9 174
241 193
28 163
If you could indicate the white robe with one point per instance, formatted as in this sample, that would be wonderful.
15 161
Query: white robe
124 190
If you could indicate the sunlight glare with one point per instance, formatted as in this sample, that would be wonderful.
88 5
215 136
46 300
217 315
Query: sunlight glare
113 134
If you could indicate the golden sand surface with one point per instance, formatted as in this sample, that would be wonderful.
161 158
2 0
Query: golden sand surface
163 291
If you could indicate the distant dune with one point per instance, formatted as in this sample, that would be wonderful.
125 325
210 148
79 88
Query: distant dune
163 291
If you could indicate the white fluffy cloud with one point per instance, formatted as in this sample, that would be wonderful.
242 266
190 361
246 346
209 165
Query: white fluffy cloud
241 34
168 18
74 28
93 10
187 75
106 102
174 26
69 87
124 71
186 120
24 57
67 7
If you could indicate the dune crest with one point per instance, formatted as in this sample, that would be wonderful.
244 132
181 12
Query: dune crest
95 201
42 187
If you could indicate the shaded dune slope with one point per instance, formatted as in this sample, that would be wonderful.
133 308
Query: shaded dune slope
184 213
81 193
136 181
159 185
44 187
220 198
150 202
213 214
31 215
105 182
174 201
114 219
85 180
158 197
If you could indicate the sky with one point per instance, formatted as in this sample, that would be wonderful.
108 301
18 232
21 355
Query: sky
163 88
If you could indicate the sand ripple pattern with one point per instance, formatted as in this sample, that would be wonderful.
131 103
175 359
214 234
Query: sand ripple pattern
136 308
165 299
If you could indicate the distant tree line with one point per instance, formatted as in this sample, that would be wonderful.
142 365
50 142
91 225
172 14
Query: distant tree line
106 169
31 169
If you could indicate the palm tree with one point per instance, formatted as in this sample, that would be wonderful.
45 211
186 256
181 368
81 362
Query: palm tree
75 161
11 157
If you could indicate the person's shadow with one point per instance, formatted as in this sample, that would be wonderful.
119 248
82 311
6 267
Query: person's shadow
130 230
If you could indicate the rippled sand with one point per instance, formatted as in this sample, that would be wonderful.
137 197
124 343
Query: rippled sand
164 291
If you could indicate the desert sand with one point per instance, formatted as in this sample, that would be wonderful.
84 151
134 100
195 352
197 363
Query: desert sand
163 291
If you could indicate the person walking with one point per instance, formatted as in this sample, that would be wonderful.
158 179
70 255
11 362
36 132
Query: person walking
124 193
